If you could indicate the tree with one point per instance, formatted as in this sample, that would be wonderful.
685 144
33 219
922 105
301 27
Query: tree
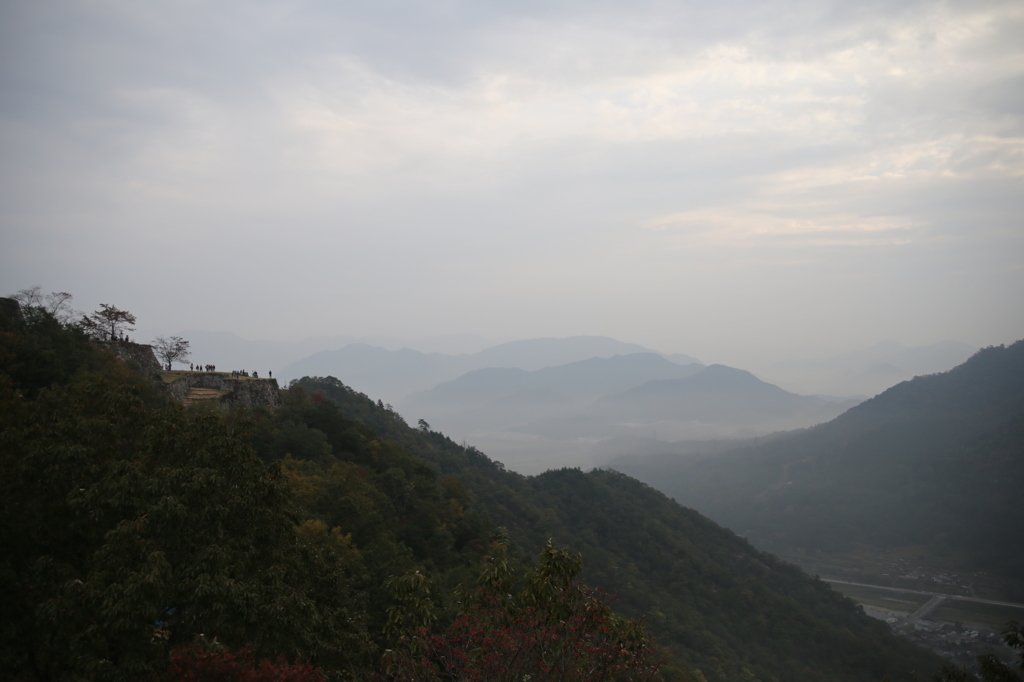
30 297
56 303
994 670
108 321
991 668
171 350
36 350
556 629
208 662
130 530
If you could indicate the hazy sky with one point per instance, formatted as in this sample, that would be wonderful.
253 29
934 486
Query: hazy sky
726 179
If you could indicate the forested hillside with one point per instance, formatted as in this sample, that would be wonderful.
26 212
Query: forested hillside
718 604
936 462
142 537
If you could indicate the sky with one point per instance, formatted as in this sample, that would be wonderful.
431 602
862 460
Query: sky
734 180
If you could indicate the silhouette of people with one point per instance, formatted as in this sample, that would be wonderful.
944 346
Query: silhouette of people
270 375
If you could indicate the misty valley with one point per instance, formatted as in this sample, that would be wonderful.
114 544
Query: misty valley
464 341
574 508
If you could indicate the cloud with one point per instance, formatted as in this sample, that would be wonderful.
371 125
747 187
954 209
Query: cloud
776 225
397 147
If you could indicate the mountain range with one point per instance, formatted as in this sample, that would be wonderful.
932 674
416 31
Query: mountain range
501 398
867 371
863 373
393 375
935 463
723 395
229 350
538 403
555 416
138 529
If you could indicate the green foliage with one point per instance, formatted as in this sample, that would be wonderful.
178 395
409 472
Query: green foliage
951 673
36 350
555 629
128 530
205 663
993 669
133 528
413 608
108 322
713 601
389 505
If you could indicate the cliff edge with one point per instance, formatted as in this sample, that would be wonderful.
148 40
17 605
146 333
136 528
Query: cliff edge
138 357
222 388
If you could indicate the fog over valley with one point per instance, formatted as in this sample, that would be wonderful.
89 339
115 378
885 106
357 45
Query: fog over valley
535 404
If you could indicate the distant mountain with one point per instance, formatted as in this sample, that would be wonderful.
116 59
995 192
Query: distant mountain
230 352
683 359
497 399
389 374
557 415
395 374
936 357
870 370
588 379
935 463
720 395
532 354
451 344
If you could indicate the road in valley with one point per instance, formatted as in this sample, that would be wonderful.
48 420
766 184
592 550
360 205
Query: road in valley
940 596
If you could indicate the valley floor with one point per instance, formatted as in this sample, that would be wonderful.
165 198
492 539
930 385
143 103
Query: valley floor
922 599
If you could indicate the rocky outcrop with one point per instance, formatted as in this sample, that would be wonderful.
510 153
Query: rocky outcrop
222 388
138 357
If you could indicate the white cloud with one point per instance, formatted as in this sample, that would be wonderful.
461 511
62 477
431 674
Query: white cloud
769 224
435 143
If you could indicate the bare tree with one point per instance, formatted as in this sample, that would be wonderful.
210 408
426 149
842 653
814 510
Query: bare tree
56 303
171 350
29 298
108 322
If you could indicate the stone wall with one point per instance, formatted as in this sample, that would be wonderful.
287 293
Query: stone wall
241 391
138 357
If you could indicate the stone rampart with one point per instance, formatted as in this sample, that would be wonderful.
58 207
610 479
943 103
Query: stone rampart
138 357
232 391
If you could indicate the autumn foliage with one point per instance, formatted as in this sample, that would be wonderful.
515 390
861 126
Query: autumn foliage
197 664
555 629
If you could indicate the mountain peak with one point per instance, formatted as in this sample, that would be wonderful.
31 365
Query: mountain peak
723 375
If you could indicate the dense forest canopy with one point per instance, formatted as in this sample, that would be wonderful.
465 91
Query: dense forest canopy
328 533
